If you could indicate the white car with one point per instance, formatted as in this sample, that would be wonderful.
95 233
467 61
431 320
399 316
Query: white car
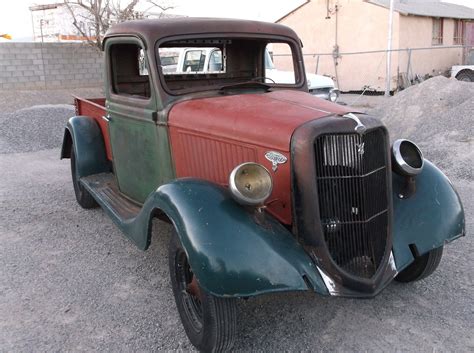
465 72
192 60
318 85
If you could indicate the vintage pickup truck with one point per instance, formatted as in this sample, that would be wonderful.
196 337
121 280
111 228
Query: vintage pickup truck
267 188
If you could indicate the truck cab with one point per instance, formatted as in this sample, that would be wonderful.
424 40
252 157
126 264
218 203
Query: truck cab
267 188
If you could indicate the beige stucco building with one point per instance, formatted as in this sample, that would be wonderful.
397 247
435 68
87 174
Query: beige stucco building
342 29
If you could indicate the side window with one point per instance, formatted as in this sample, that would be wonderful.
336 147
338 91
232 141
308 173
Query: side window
129 70
194 61
142 65
215 61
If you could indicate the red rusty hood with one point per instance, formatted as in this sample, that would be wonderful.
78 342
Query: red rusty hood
266 119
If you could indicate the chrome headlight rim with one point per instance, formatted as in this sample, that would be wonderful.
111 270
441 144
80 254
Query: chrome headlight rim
401 165
236 193
334 92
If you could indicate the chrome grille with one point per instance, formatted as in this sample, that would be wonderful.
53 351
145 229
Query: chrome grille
351 177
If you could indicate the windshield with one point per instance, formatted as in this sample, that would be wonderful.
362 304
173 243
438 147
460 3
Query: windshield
193 65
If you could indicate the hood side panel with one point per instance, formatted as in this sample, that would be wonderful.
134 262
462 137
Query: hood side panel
267 119
211 136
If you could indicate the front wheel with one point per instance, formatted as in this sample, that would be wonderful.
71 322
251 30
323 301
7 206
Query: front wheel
422 267
209 321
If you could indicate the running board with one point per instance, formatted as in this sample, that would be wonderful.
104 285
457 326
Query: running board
103 187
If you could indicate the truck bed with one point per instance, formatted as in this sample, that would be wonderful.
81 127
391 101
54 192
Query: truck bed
95 108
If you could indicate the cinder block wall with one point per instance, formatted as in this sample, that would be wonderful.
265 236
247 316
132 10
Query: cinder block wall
49 65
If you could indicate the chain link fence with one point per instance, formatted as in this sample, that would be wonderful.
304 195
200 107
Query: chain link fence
366 70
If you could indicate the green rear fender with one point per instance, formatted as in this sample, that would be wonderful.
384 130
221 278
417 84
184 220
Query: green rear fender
232 254
431 217
84 134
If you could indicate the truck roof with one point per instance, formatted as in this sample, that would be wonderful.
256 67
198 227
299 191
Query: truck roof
156 29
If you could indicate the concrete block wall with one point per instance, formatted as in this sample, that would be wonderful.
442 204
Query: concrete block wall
49 65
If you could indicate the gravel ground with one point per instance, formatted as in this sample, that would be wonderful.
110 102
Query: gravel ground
69 281
438 115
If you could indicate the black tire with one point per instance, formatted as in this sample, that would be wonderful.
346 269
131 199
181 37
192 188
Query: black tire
83 197
210 322
422 267
466 76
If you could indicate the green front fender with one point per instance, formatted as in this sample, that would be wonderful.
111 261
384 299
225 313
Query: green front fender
431 217
231 253
84 134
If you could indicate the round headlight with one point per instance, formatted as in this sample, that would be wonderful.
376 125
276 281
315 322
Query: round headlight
407 158
333 95
250 184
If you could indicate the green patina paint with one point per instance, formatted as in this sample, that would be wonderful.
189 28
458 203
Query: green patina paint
88 145
429 218
230 253
140 147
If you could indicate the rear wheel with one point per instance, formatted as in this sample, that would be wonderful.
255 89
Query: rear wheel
466 76
422 267
209 321
83 197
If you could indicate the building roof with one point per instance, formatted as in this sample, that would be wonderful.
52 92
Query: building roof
45 7
293 11
428 8
154 29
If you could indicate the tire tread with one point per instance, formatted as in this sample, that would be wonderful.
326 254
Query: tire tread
422 267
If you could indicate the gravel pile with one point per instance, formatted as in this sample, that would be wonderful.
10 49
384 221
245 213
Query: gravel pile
34 129
437 114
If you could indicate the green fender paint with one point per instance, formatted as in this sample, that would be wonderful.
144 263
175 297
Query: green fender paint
431 217
140 146
89 146
230 253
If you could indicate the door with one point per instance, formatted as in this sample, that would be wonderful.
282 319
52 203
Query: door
131 111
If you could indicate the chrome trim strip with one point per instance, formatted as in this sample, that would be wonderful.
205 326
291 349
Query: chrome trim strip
330 284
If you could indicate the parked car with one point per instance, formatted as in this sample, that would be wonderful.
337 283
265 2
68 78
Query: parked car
465 72
196 60
318 85
267 189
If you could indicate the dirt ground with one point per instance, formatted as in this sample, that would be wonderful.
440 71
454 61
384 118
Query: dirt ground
69 281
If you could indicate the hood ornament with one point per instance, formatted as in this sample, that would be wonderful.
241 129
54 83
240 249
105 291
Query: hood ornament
360 128
276 159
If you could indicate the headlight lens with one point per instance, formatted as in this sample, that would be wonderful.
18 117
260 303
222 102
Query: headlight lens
407 158
333 95
250 184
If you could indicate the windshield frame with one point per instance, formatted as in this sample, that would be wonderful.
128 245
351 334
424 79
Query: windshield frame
295 45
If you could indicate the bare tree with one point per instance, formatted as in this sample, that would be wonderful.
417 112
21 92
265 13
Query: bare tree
99 15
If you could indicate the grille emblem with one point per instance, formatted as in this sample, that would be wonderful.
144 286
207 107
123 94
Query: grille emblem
276 159
361 148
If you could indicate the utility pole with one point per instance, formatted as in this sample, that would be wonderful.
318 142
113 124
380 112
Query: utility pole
389 50
42 21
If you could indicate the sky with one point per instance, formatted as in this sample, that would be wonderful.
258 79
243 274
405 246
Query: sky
15 18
